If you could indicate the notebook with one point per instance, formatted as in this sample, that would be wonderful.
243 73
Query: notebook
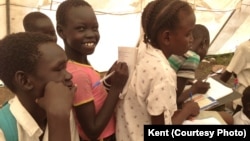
217 90
205 102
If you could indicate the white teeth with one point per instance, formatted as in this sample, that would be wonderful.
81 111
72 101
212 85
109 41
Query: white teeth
89 44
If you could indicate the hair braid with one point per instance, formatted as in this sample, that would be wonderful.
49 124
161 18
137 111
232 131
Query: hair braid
162 14
148 17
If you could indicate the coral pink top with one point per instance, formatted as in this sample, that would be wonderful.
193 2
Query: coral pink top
85 77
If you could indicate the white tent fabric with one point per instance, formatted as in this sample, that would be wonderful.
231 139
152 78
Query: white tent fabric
119 23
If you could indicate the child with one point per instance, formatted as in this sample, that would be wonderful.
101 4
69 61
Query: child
243 116
77 25
186 65
33 67
39 22
240 66
151 95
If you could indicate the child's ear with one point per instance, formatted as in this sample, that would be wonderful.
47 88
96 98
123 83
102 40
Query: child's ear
165 37
23 81
59 29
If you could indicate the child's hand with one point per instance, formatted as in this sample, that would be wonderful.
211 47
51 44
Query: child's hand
200 87
108 81
57 99
120 77
191 107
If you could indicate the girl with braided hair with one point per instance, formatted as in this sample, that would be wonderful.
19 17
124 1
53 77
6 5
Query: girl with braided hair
151 95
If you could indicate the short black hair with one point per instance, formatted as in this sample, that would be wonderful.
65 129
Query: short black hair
65 6
201 31
28 20
246 96
19 52
159 15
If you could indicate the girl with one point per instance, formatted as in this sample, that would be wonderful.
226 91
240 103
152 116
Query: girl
78 27
151 95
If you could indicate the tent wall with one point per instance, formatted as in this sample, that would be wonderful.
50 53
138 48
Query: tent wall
119 23
3 16
12 13
235 31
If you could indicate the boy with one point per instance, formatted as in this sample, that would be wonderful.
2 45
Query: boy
186 65
33 67
243 116
39 22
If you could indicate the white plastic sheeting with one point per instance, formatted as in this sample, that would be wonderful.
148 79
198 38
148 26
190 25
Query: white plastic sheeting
119 23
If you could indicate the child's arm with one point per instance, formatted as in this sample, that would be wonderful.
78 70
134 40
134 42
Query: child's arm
188 110
198 87
93 123
225 76
158 120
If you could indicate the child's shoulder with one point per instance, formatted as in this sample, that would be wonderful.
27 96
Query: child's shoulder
78 69
78 66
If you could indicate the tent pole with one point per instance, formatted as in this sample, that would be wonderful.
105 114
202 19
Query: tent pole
223 27
8 16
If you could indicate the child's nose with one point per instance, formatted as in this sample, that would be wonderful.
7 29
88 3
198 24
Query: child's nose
68 76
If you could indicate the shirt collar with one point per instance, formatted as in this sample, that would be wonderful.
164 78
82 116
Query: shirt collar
23 117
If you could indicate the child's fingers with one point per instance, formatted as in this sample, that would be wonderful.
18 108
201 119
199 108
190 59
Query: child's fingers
73 89
40 102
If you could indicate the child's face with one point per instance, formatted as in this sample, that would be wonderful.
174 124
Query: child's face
181 39
45 26
200 46
50 67
81 30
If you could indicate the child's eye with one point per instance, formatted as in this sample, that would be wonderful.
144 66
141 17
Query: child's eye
81 28
189 34
60 67
95 28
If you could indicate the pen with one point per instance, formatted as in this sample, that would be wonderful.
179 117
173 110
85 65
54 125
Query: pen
104 78
235 83
191 95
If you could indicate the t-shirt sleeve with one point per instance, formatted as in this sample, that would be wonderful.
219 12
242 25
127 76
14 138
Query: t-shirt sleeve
162 96
188 67
238 61
84 88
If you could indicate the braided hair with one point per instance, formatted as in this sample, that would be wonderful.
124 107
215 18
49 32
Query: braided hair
159 15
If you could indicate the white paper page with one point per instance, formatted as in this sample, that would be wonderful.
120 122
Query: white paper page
128 55
217 90
205 121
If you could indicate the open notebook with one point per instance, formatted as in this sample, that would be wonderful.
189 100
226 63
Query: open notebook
205 102
217 90
206 118
205 121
